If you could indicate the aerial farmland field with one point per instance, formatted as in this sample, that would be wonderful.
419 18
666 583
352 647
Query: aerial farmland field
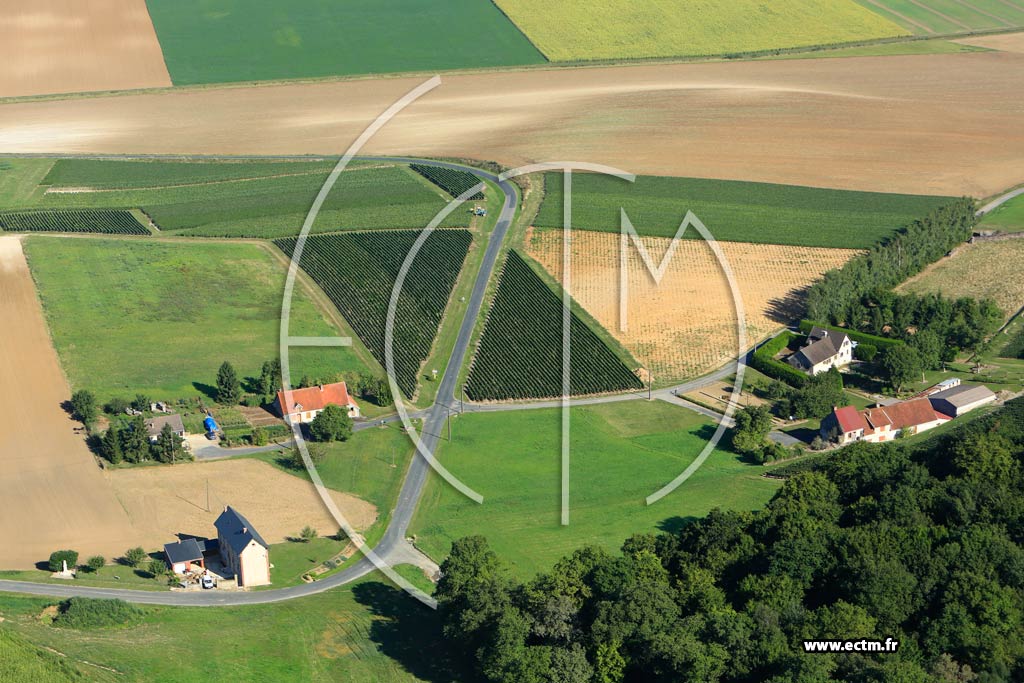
572 30
685 325
117 309
948 16
734 211
228 198
621 453
322 38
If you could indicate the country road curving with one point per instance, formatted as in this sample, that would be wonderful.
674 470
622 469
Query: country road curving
393 546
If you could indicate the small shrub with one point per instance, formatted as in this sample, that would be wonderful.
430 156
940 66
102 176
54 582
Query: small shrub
133 557
307 534
56 557
116 406
95 563
865 352
85 613
156 568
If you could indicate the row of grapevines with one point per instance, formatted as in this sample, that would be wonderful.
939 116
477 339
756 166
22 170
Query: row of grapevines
358 271
107 221
451 180
520 352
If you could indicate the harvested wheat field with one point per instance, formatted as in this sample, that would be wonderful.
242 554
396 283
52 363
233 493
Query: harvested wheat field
67 46
1004 42
164 501
53 493
991 269
923 124
685 326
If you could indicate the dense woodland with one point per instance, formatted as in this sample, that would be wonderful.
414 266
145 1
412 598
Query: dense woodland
919 543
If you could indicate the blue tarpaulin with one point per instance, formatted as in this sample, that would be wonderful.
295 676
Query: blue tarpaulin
210 424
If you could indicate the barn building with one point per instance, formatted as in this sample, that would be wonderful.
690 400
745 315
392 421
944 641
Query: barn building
881 423
242 550
184 556
961 399
300 406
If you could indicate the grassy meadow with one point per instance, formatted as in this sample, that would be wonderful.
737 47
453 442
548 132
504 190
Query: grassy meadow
616 29
925 17
272 40
734 211
621 453
1007 218
159 317
369 632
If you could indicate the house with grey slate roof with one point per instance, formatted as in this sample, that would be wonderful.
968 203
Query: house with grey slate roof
823 350
242 549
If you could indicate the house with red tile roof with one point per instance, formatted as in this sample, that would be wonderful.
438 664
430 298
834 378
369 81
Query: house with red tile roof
302 405
881 423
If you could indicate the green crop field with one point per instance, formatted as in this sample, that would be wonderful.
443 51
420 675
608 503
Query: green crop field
735 211
1008 218
160 317
317 38
621 453
520 350
369 632
358 272
924 17
115 174
106 221
231 198
612 29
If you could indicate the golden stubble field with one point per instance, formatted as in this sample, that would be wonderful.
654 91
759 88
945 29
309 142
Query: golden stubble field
931 124
686 325
68 46
987 269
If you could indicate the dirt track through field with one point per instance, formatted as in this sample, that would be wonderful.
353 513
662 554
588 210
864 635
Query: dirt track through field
52 493
66 46
686 325
932 124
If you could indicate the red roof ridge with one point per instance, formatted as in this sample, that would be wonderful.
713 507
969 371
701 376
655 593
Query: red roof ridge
315 397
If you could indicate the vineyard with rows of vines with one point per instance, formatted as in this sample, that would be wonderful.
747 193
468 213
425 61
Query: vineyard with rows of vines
520 351
106 221
451 180
358 271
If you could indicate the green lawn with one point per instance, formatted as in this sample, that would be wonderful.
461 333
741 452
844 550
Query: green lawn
369 632
159 318
110 576
1009 217
371 465
292 559
621 453
734 211
231 198
925 17
217 41
933 46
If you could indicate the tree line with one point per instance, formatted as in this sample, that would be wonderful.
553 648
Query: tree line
922 544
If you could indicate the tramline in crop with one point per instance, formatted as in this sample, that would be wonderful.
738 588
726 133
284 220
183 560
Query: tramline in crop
451 180
358 272
520 352
106 221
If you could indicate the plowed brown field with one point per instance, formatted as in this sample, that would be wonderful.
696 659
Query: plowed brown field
933 124
66 46
686 325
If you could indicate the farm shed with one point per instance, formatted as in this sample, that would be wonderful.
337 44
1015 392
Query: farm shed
961 399
182 554
302 405
156 424
242 549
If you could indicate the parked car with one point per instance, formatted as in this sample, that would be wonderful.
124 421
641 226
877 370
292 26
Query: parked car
207 581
